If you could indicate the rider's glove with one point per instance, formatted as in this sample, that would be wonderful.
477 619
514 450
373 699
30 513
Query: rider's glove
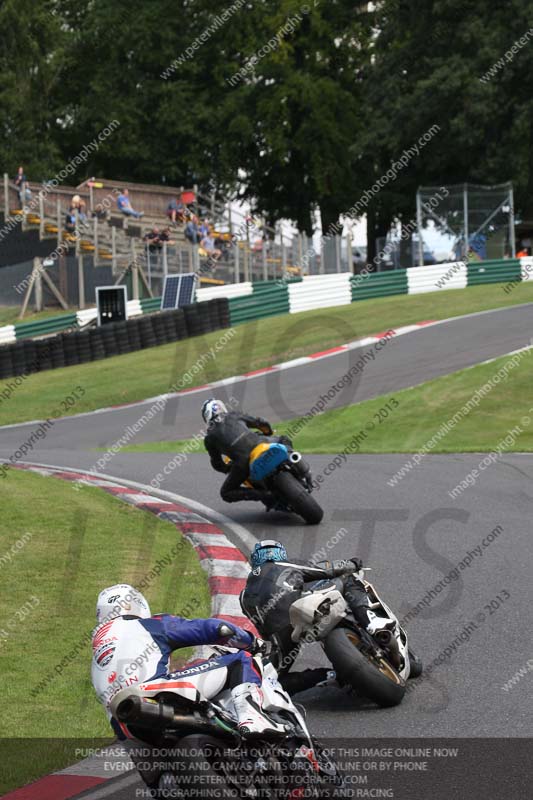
342 567
264 426
260 647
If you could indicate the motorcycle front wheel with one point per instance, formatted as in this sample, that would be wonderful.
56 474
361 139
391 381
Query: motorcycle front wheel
375 679
293 493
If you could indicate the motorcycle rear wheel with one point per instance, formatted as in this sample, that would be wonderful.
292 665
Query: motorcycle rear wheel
293 493
376 680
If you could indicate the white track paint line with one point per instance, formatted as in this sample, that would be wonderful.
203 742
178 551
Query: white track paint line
211 539
298 362
107 764
228 604
245 537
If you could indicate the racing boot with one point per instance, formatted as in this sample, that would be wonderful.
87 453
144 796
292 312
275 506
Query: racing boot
357 599
253 722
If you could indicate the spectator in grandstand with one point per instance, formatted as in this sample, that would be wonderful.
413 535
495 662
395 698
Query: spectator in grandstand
124 206
192 233
204 229
208 245
155 238
176 211
165 237
21 184
78 205
70 221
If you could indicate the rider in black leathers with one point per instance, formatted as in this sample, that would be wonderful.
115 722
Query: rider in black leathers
230 434
275 583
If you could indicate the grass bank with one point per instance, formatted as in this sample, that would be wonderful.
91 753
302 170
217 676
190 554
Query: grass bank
256 344
404 421
59 546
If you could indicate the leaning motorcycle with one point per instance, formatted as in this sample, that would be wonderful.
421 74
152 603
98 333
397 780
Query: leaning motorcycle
284 473
186 727
376 666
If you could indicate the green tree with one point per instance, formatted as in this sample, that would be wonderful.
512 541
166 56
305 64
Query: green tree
427 69
31 60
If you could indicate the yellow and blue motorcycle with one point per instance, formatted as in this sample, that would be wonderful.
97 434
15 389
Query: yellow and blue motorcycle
287 476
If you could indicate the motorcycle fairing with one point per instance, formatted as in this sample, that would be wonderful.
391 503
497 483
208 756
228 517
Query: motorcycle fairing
320 610
201 682
266 458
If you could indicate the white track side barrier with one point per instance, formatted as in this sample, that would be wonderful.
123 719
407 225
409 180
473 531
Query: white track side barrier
7 334
320 291
526 268
439 276
228 290
85 316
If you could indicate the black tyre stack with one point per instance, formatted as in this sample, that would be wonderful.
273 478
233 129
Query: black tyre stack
193 320
170 328
109 339
83 346
219 313
96 343
18 358
146 330
30 355
116 338
134 335
57 353
44 354
70 349
6 361
179 323
121 336
223 312
160 330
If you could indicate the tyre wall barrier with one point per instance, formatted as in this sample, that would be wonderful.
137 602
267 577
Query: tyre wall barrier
379 284
320 291
249 301
268 298
480 272
7 334
441 276
526 269
229 290
116 338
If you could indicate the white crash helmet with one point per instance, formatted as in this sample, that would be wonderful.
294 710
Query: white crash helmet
121 600
213 409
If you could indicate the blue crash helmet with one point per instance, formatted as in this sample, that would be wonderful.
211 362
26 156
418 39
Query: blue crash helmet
267 550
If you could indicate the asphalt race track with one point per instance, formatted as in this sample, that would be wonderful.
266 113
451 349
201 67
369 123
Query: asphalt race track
412 534
406 361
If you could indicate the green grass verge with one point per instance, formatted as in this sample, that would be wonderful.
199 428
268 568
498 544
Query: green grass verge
257 344
417 417
76 542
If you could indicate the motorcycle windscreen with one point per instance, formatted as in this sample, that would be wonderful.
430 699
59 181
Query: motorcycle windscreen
265 463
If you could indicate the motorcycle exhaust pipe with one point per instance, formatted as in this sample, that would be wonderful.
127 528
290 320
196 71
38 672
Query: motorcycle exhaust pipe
301 467
383 638
388 641
135 710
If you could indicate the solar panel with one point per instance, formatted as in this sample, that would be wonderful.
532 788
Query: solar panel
179 290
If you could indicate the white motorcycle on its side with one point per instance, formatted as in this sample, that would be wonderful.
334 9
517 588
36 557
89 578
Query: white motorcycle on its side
189 724
376 666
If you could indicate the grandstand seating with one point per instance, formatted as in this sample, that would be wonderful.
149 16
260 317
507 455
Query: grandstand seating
118 240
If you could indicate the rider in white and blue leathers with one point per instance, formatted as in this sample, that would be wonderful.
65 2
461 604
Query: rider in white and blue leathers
130 646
